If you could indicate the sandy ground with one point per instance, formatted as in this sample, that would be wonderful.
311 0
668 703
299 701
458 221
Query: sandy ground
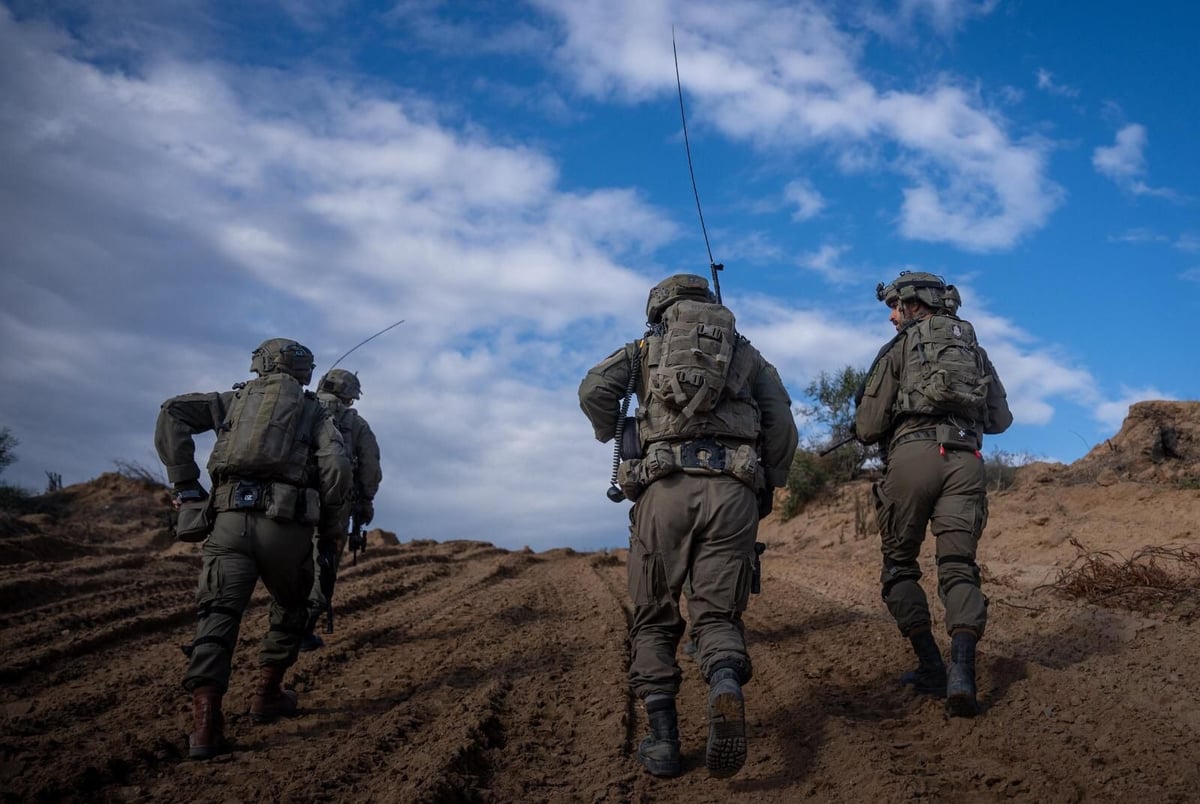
462 672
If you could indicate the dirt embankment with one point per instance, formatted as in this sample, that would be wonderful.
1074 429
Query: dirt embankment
460 671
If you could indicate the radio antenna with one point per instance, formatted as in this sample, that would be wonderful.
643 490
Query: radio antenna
713 264
363 342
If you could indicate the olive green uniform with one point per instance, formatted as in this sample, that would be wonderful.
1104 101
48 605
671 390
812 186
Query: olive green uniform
926 485
246 543
364 454
692 520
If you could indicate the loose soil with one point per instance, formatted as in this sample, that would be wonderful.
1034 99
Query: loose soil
464 672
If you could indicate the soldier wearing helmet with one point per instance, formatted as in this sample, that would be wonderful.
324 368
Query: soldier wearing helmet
708 456
278 468
337 391
930 396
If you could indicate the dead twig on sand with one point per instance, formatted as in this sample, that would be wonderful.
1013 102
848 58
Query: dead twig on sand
1152 576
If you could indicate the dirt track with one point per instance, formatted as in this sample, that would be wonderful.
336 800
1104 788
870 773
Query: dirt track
459 671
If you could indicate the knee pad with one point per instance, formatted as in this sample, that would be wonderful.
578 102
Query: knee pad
896 571
953 578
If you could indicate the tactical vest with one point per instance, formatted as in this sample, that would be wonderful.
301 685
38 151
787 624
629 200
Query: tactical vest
267 432
697 380
943 371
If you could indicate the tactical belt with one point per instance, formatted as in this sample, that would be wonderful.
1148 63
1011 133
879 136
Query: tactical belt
238 494
929 434
704 454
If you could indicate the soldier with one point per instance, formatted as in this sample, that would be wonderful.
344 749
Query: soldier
715 435
337 391
278 469
930 396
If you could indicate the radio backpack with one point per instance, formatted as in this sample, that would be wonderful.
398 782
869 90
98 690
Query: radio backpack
943 370
266 432
697 342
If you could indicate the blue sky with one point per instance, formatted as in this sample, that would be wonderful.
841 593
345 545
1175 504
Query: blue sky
181 180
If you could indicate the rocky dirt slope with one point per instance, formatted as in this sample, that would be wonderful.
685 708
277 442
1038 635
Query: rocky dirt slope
462 672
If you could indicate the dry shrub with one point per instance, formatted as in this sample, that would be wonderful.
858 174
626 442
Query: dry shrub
1151 577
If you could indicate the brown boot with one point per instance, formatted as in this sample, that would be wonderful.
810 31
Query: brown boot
208 736
270 699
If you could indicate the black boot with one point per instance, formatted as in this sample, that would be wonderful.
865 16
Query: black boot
659 752
726 750
960 685
929 677
310 640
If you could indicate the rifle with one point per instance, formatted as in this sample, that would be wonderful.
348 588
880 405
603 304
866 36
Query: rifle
327 561
841 443
358 539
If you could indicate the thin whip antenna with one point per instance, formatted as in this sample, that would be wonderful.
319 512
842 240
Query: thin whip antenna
368 340
713 264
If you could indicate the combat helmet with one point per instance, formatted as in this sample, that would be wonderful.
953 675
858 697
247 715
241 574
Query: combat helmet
342 384
283 355
673 289
929 289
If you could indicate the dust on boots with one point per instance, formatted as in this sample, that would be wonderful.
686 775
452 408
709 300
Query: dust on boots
659 752
270 699
929 677
960 684
725 753
207 739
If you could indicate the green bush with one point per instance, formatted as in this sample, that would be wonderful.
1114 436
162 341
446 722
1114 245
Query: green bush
808 479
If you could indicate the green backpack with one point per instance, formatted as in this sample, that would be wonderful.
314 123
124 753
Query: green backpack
266 432
944 370
694 353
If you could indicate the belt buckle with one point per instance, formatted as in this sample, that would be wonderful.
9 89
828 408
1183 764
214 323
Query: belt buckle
704 453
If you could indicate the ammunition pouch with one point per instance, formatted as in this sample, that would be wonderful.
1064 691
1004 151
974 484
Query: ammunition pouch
195 521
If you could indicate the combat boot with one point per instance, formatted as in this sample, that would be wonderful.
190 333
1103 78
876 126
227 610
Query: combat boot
726 750
929 677
659 752
960 685
270 699
208 724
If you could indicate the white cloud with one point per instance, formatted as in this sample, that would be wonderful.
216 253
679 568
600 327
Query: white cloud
1112 412
826 261
779 78
1045 81
944 16
1125 163
806 197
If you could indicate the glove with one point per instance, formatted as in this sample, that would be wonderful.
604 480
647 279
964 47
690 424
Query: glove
364 512
188 491
766 501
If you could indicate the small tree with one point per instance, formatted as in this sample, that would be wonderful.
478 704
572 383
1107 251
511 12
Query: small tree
832 407
8 443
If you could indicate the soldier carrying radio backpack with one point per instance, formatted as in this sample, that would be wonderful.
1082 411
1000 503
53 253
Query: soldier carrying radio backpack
929 398
278 470
715 435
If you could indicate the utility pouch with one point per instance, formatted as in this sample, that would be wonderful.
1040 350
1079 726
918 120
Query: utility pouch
311 513
283 502
744 465
630 446
951 436
195 521
247 494
631 479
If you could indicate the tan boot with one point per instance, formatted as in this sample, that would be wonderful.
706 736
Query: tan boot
270 699
208 730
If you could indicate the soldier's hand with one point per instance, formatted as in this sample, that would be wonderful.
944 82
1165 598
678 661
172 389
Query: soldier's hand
364 512
766 501
187 491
